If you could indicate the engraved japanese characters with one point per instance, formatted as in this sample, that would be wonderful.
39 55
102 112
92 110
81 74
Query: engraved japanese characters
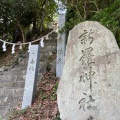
61 43
89 88
88 73
31 76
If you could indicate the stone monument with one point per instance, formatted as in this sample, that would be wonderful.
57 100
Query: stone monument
89 88
31 76
61 40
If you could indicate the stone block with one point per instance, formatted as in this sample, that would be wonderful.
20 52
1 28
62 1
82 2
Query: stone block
11 92
3 111
8 78
89 88
20 77
10 100
61 46
14 71
31 76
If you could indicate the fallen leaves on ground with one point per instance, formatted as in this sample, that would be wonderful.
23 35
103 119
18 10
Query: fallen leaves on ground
45 105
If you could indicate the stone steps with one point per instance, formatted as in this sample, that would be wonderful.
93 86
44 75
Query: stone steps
11 91
10 101
7 84
12 78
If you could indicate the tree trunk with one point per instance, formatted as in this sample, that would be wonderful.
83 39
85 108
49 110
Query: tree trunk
34 25
43 15
23 37
41 22
23 33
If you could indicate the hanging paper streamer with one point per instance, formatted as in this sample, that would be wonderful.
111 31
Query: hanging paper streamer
29 47
42 43
21 44
46 37
20 47
4 46
13 49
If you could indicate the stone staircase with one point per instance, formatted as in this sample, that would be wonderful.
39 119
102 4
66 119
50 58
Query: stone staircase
12 78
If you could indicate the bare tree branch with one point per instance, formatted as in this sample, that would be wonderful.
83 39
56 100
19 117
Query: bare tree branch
76 9
95 5
85 12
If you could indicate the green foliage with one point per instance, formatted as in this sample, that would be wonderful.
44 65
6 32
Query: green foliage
17 113
57 117
53 97
110 17
48 67
0 117
107 12
56 86
21 112
71 21
22 14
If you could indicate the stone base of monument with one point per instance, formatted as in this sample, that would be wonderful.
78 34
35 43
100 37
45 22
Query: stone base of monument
89 88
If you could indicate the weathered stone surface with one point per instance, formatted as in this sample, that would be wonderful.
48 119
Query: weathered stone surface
14 71
20 78
61 44
10 100
89 88
3 111
23 63
13 76
51 48
7 78
42 68
31 76
53 65
1 71
11 92
4 68
18 84
19 60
